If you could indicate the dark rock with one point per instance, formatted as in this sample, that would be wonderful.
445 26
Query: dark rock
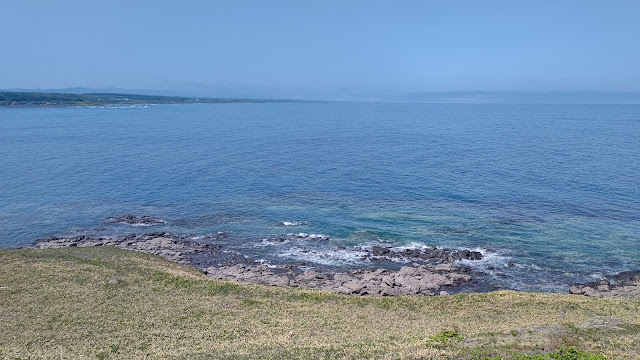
380 251
431 254
137 220
296 237
422 280
169 246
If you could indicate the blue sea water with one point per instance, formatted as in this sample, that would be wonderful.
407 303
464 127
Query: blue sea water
549 193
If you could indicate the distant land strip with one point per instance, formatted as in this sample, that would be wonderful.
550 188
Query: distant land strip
37 99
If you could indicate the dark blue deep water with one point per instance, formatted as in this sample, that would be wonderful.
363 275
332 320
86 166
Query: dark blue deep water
553 189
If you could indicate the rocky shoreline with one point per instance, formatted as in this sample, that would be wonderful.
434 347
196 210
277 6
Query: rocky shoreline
625 285
169 246
437 277
428 271
409 280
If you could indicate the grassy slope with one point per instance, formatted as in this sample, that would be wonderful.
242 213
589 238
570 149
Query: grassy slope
111 303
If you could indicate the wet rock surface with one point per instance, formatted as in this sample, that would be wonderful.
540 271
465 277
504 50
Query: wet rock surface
169 246
137 220
220 261
432 254
295 237
625 285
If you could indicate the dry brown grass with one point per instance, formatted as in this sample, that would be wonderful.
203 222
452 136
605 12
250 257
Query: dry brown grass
112 303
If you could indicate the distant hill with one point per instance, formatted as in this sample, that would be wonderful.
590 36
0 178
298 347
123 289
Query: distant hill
112 90
40 99
213 94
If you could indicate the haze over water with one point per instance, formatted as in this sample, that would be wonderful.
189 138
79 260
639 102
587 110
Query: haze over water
552 189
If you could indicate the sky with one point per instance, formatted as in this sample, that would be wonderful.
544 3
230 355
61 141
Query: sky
317 47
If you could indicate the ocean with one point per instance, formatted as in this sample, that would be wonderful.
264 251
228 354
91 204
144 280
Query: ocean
550 194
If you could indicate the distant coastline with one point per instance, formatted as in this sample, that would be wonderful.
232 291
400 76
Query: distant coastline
79 96
38 99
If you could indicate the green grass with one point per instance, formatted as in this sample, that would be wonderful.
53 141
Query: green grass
445 336
562 354
107 303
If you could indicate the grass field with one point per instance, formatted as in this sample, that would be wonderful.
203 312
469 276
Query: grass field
107 303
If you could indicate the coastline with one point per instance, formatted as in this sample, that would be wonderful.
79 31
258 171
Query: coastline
390 272
10 99
133 103
435 275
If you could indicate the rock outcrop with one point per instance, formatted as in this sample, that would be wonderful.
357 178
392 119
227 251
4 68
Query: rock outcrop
432 254
167 245
625 285
409 280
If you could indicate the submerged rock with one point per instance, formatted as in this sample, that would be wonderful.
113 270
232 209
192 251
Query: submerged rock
137 220
296 237
432 254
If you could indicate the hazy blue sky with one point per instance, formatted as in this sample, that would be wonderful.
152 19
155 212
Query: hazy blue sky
363 46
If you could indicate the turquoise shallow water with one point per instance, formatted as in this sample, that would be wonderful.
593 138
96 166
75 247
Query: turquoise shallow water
553 189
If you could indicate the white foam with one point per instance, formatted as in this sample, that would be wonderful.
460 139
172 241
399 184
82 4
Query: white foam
266 263
303 235
529 266
318 237
294 223
411 246
289 238
156 222
270 242
324 257
596 276
489 258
